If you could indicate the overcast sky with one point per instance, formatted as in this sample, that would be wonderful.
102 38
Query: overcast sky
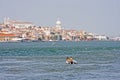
96 16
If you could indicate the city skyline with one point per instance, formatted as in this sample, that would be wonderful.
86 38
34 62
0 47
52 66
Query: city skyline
96 16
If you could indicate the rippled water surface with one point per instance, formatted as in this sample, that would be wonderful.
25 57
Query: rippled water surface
97 60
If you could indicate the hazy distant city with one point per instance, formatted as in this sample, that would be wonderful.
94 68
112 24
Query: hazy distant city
15 30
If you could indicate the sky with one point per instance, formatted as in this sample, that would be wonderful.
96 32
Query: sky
97 16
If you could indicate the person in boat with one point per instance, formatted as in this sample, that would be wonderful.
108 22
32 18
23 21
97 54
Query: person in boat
70 60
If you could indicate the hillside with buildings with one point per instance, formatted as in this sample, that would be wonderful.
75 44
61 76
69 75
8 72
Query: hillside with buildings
13 30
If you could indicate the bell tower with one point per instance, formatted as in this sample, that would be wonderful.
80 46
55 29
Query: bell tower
6 21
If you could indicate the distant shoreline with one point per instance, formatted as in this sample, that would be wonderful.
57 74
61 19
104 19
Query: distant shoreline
59 41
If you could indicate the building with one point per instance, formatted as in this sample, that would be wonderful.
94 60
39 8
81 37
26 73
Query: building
100 37
6 37
17 24
58 25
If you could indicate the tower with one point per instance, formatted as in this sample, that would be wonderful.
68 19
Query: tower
6 21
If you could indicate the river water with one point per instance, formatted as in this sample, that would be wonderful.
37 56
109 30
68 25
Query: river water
97 60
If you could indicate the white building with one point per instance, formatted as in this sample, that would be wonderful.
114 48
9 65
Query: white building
17 24
100 37
58 25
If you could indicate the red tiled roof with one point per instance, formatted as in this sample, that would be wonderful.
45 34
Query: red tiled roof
19 22
7 35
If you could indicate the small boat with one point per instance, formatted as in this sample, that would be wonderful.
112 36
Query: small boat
70 60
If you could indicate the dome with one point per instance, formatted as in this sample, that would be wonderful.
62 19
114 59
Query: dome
58 22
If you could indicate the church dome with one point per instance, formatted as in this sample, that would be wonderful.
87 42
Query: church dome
58 22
